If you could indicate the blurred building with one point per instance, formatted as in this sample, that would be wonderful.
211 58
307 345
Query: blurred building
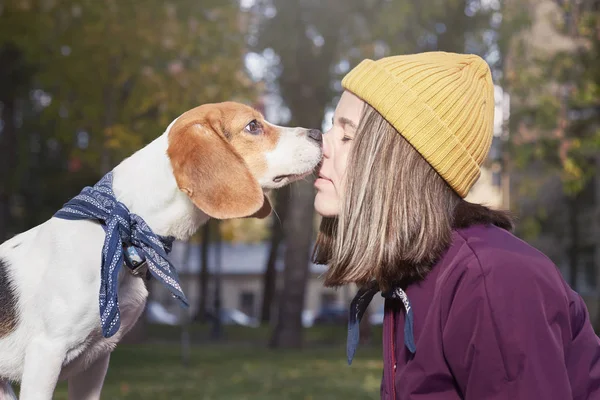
242 272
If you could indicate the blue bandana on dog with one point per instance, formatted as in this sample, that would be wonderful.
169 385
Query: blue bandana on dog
128 239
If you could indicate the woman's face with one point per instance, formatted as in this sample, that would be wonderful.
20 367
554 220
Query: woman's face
337 143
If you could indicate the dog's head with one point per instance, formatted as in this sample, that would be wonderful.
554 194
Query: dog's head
224 155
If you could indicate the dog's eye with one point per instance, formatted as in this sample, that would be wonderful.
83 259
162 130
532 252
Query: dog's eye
254 127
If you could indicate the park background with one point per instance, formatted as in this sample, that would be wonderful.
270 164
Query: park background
84 83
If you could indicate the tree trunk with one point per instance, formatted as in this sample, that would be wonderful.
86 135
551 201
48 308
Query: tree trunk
305 86
288 332
277 237
202 299
185 317
217 331
110 103
15 79
8 150
458 24
573 248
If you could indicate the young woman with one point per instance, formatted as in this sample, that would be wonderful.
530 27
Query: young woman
471 311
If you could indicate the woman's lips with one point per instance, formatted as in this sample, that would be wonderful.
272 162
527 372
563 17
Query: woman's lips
321 180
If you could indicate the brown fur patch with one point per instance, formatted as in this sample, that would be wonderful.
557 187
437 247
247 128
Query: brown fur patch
252 148
8 302
217 163
229 119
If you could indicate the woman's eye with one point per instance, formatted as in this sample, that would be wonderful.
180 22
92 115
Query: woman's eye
254 127
346 138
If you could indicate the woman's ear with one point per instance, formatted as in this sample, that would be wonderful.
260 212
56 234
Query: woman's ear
214 176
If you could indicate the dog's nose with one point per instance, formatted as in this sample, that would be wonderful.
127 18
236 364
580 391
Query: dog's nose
315 135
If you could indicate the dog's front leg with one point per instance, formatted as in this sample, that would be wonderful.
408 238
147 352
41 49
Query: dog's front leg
87 385
43 361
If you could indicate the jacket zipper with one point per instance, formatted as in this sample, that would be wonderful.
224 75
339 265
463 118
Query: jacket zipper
392 355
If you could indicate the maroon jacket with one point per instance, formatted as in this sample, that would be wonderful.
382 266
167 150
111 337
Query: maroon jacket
493 319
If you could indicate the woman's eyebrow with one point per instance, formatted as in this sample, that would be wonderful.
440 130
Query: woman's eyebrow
345 121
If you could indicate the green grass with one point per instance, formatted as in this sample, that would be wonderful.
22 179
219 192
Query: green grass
222 372
323 335
243 370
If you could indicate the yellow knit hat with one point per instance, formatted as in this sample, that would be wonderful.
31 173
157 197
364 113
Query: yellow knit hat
442 103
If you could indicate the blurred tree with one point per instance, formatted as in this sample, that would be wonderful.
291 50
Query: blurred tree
217 328
15 78
306 44
110 76
314 44
555 118
277 234
203 299
125 71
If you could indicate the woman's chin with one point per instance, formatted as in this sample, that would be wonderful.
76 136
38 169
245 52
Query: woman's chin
325 207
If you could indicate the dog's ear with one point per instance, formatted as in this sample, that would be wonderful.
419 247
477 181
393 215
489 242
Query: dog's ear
213 174
265 210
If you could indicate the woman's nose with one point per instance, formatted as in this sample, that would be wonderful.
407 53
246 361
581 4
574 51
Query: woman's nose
326 145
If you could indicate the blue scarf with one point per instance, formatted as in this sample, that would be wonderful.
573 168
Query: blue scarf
358 307
123 229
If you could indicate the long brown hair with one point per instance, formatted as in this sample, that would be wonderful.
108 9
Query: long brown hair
397 212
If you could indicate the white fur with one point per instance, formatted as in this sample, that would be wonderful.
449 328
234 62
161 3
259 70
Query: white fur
55 270
289 157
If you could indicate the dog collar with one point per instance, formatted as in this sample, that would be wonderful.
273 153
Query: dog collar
135 260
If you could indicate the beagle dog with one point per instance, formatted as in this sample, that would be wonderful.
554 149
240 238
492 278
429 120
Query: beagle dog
215 161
